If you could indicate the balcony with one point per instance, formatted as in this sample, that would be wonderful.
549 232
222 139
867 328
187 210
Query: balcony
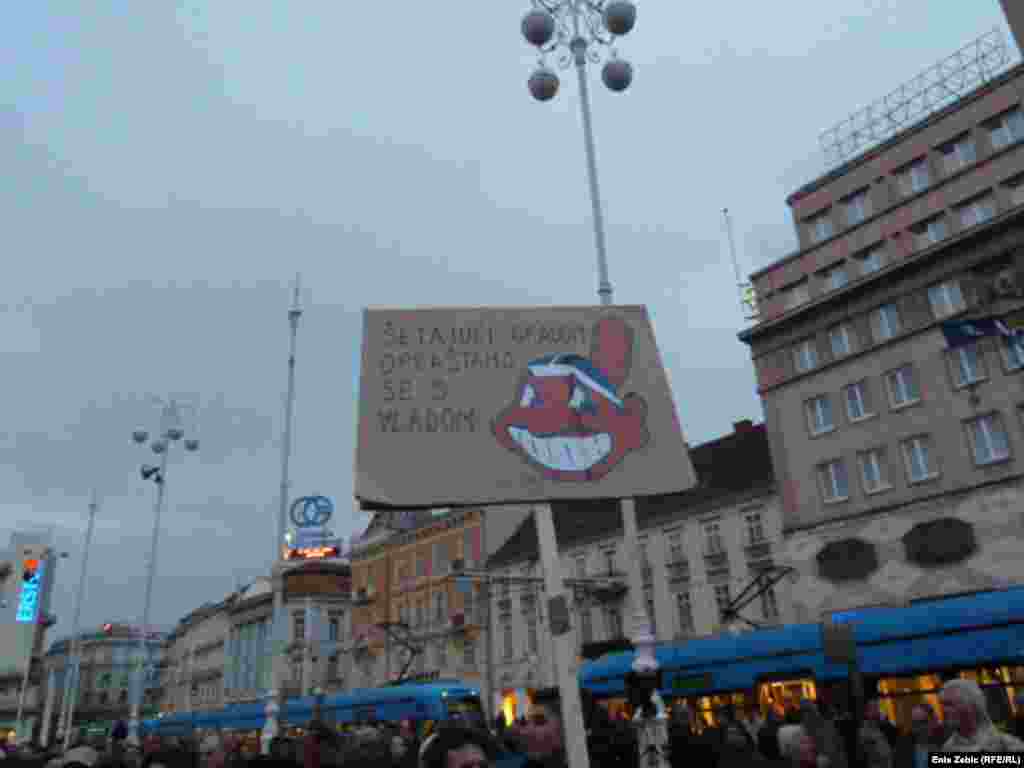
717 563
607 593
592 651
758 549
678 571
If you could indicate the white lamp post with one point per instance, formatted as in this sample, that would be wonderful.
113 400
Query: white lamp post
171 434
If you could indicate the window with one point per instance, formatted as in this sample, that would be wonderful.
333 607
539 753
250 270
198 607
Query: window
468 605
834 482
442 561
531 635
840 338
835 278
1006 129
929 232
769 605
586 625
651 614
299 620
967 365
989 441
713 539
332 630
613 622
871 260
1013 350
1015 187
820 226
509 642
795 295
685 612
917 457
469 654
885 322
421 567
903 388
581 567
755 527
819 415
609 560
805 356
976 211
858 207
946 299
675 548
914 178
958 154
442 655
856 397
440 608
873 476
722 600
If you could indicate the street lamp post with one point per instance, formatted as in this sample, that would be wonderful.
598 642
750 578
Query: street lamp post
581 28
171 433
71 669
278 623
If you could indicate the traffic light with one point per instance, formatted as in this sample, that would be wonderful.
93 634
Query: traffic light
31 569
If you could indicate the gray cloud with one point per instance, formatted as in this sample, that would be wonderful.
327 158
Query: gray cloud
167 171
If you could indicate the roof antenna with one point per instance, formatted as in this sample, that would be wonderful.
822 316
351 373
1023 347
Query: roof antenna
748 300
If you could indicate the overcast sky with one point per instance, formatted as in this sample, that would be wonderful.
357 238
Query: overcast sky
166 168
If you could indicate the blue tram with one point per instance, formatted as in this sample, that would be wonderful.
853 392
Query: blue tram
436 701
904 655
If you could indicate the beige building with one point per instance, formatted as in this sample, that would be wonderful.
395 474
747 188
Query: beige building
221 653
701 549
899 459
192 669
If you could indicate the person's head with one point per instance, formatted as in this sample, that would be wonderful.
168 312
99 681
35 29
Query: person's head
542 734
792 746
922 723
964 705
873 711
458 747
735 736
874 746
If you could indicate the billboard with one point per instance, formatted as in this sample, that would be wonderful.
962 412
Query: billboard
462 406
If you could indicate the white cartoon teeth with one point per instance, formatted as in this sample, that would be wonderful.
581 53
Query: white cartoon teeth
566 454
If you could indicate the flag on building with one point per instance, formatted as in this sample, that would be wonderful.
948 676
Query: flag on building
960 333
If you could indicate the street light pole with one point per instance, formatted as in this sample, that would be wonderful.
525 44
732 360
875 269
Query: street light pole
161 446
278 625
71 671
582 26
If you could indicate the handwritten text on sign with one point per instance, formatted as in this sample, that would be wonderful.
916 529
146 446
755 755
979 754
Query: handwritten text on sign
420 363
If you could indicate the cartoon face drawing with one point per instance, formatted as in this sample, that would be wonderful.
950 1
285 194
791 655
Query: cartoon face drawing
569 420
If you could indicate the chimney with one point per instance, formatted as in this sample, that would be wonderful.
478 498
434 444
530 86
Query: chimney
742 427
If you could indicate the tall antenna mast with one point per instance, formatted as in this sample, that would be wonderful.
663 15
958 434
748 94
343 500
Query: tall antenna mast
748 301
294 313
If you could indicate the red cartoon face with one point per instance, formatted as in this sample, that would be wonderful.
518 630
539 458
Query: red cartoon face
569 420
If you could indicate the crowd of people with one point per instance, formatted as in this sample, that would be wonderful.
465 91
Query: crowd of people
807 737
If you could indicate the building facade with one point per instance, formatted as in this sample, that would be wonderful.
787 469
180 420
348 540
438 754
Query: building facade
222 652
108 654
412 618
419 610
700 550
27 575
899 458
